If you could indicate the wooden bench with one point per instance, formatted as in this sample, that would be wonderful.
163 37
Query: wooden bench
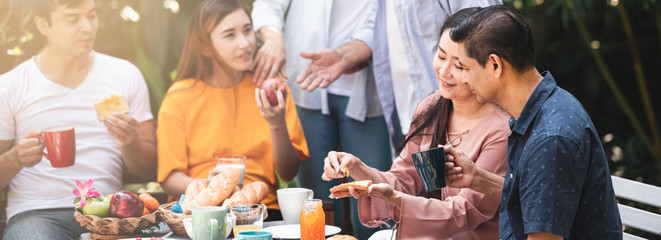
634 217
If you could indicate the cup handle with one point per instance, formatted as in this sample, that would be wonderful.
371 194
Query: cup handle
310 194
214 228
42 138
265 211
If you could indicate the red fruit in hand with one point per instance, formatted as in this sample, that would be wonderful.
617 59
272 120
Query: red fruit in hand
270 86
126 204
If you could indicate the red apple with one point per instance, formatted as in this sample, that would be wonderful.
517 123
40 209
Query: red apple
126 204
270 86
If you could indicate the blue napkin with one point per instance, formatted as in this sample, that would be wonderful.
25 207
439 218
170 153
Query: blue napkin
177 206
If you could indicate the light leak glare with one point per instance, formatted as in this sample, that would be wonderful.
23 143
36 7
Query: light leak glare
617 154
539 2
171 5
595 44
15 51
614 3
608 138
518 4
129 14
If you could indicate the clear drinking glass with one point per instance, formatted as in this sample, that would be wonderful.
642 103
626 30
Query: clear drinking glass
312 220
232 161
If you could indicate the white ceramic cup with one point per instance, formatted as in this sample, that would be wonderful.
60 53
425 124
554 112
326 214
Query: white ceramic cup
229 222
291 203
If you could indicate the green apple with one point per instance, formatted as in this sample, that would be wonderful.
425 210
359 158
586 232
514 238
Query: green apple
98 206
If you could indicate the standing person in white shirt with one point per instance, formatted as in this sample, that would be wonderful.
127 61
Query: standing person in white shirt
347 115
399 37
59 87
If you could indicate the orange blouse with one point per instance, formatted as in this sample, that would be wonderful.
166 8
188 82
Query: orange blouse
197 122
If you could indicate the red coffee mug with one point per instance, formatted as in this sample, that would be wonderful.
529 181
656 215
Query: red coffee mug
61 145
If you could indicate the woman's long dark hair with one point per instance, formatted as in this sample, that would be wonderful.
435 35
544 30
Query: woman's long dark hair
439 113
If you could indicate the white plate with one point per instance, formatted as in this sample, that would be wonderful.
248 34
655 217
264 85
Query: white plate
293 231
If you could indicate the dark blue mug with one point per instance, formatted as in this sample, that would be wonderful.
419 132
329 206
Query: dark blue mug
430 165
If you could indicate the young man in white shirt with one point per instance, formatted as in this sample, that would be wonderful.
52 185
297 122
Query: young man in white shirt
59 87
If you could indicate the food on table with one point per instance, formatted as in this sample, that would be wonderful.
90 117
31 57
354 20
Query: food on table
219 188
193 188
110 105
145 211
150 202
253 192
241 228
342 237
126 204
270 86
313 225
97 206
359 185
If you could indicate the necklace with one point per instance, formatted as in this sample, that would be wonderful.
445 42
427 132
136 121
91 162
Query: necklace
455 139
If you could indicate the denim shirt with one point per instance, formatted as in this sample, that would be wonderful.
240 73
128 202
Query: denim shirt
306 28
558 179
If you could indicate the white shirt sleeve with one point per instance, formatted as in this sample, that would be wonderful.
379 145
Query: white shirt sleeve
137 95
452 6
269 12
365 32
7 122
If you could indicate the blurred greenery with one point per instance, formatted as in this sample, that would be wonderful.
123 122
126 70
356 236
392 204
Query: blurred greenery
605 52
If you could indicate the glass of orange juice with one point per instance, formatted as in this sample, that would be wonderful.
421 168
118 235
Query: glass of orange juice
248 217
312 220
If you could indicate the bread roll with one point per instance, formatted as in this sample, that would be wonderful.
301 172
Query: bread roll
254 192
220 187
341 237
194 188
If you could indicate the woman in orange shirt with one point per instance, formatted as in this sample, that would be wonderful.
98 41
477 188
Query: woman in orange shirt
215 108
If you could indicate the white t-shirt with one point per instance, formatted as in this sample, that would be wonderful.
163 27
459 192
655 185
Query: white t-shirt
29 101
345 15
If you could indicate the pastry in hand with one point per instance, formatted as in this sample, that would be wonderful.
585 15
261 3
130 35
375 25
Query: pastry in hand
110 105
358 185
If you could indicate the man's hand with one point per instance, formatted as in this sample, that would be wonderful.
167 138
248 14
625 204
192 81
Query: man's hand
460 171
271 57
326 66
29 149
123 128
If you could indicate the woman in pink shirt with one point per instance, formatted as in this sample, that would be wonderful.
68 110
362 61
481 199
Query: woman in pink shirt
450 115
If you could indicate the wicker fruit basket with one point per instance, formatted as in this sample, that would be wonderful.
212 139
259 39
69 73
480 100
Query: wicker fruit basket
117 226
174 220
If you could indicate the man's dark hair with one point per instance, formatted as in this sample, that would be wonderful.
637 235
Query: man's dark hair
497 30
43 8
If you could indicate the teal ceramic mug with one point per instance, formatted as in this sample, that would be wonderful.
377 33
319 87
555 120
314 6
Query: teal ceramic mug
254 235
209 223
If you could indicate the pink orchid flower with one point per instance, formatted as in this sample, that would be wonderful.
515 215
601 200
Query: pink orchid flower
85 191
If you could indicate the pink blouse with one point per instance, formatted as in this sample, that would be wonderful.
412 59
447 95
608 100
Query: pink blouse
463 213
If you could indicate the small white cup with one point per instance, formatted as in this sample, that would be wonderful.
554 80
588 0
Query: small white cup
291 203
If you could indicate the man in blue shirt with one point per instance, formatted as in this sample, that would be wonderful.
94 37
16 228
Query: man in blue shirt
558 183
